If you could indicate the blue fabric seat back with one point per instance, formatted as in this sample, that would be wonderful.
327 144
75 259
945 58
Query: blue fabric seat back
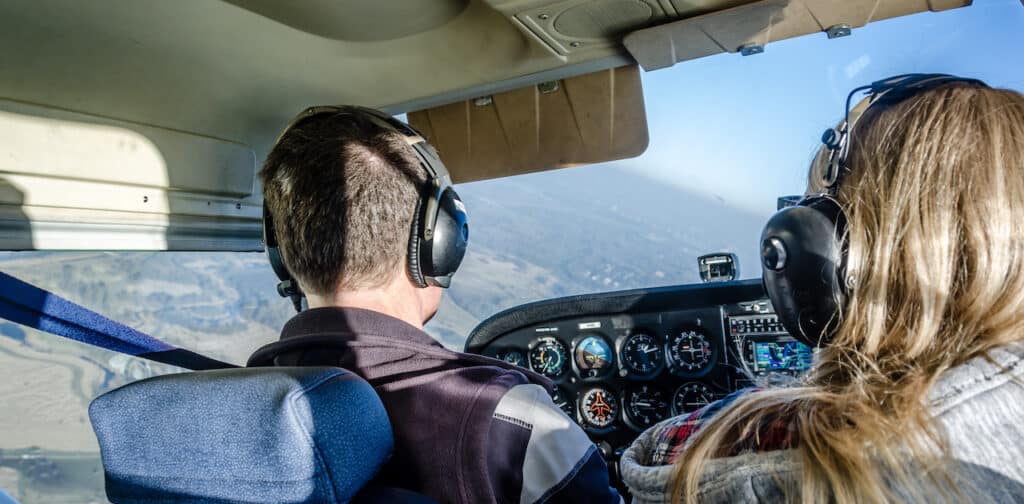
242 435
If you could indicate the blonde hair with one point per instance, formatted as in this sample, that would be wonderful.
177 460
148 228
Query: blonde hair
934 199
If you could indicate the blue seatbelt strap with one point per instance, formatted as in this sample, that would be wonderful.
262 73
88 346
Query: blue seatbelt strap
5 498
30 306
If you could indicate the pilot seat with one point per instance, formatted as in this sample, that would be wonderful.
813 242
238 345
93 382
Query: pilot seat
288 435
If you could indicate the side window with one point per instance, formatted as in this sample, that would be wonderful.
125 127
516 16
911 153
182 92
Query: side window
220 304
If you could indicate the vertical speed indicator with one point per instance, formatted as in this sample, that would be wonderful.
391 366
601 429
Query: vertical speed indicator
691 397
644 405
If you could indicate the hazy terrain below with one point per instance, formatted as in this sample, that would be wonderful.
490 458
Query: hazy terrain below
223 305
581 230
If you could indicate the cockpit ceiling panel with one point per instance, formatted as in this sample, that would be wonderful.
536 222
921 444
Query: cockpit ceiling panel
573 26
240 69
758 23
59 144
75 181
358 20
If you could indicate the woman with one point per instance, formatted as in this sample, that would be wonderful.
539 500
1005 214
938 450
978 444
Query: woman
919 395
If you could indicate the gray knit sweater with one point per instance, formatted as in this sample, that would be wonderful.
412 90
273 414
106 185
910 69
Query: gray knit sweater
980 404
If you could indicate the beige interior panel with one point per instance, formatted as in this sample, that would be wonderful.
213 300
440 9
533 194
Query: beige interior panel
757 23
693 8
141 123
579 26
860 12
76 181
855 13
762 22
353 20
586 119
216 69
239 69
57 143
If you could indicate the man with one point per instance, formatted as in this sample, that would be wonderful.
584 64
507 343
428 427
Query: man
350 193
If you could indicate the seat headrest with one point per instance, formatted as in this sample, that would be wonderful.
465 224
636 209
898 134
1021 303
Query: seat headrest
242 435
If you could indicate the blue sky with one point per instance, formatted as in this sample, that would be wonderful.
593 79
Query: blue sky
745 128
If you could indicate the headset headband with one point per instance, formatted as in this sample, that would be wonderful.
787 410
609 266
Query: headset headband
891 90
804 245
438 178
435 168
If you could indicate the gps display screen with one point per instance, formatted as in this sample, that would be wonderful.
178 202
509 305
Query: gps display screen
781 355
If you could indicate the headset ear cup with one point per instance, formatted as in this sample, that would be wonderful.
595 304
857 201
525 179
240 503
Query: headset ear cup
451 237
802 265
287 287
415 245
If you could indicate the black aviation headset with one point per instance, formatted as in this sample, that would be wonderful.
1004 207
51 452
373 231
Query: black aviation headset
440 228
803 246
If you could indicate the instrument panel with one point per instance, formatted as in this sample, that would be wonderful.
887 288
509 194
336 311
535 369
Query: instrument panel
617 375
670 352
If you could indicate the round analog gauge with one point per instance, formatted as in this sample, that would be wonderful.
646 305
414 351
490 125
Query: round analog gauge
548 357
598 408
641 354
593 356
561 400
690 352
691 397
644 406
511 356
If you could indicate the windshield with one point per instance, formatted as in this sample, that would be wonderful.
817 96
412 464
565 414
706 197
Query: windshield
728 135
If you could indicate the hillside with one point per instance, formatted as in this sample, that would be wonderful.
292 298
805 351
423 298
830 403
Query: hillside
593 229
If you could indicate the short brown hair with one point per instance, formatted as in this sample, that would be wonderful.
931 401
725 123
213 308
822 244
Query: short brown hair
342 191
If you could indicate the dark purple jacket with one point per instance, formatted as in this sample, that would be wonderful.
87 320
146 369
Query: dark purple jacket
467 428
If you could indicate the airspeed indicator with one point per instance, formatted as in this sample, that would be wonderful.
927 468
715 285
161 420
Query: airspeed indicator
548 357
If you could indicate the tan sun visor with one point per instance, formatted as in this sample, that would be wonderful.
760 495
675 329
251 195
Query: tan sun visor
747 29
587 119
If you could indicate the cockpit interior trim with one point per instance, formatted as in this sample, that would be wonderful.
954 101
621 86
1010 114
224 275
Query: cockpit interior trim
657 299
